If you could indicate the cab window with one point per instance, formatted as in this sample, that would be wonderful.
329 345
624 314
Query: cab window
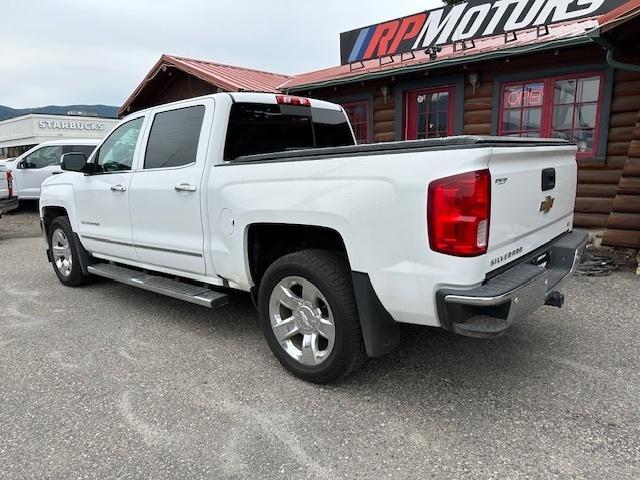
256 128
116 153
44 157
173 141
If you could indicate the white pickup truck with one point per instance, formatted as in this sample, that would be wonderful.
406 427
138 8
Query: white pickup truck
8 201
338 243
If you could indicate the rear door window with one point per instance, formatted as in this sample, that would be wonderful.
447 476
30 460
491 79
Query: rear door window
173 141
259 128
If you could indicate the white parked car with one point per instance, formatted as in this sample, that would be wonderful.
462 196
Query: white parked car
42 161
8 163
338 243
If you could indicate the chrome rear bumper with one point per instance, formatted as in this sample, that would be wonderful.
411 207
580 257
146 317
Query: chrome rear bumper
490 309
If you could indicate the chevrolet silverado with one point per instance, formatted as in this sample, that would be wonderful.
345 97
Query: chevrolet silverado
337 243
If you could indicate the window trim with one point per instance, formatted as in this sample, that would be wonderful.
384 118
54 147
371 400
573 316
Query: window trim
598 156
451 89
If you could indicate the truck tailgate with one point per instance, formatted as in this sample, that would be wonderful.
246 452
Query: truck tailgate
532 199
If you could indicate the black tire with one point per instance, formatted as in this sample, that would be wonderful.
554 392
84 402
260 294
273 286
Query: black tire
75 278
329 273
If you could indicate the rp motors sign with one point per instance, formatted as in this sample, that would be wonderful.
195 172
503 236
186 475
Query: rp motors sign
463 21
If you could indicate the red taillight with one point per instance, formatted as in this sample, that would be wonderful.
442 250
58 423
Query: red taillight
458 213
10 183
289 100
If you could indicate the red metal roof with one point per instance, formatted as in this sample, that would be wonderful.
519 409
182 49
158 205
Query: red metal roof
229 77
226 77
527 40
629 10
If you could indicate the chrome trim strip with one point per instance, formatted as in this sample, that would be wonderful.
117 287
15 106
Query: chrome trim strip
146 247
105 240
168 250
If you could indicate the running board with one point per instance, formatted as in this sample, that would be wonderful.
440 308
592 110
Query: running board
164 286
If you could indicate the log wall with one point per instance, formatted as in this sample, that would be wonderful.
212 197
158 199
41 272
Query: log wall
598 184
623 225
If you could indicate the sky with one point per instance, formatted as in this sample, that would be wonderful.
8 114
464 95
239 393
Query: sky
60 52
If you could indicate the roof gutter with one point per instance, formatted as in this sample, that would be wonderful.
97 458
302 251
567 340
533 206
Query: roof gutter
432 65
611 48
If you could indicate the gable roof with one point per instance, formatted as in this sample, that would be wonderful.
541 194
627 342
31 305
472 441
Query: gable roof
229 78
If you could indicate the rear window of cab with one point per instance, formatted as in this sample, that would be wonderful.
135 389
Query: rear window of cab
256 128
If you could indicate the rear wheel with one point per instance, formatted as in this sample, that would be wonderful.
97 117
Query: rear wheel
65 254
309 316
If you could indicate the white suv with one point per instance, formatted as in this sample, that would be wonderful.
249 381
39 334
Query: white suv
33 167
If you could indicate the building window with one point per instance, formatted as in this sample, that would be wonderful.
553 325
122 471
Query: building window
430 113
566 107
358 113
522 110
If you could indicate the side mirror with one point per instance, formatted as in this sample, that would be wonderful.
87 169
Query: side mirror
21 165
75 162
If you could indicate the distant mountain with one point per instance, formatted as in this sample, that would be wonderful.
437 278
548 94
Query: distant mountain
99 110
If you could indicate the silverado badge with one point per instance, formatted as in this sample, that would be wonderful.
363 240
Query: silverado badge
547 205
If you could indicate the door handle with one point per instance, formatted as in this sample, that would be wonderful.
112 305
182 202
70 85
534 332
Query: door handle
56 173
118 188
185 187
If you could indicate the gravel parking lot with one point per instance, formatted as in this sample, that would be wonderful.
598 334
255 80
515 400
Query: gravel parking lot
112 382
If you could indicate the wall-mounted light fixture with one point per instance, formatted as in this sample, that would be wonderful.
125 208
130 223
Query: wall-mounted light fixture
386 93
474 80
433 52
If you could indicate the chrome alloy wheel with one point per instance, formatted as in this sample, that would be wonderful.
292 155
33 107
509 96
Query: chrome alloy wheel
61 252
302 321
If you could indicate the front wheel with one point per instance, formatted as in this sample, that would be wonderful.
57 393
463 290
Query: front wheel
65 254
309 316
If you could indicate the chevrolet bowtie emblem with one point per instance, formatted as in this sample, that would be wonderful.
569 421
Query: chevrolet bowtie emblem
547 205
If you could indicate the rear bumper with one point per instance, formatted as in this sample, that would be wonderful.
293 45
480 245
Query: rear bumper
490 309
8 204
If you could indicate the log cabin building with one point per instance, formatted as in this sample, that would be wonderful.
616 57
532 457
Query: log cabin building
577 79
